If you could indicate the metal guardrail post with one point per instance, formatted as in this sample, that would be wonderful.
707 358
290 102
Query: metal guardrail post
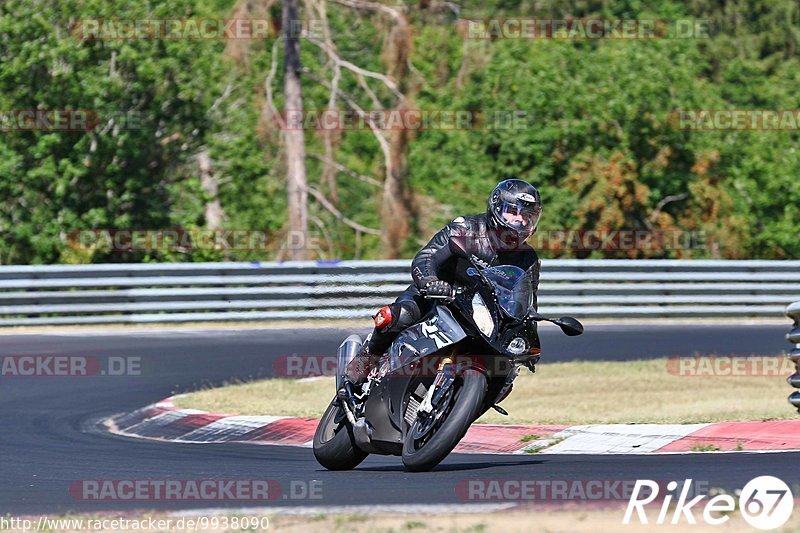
793 312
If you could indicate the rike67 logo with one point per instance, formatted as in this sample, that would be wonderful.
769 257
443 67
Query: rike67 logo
765 503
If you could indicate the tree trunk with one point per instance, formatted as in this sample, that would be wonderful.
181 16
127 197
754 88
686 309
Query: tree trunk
213 209
398 208
331 140
296 184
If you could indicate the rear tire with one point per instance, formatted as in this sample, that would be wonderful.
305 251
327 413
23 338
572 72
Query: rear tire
334 445
468 401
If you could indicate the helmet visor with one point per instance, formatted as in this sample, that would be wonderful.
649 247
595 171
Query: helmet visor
520 217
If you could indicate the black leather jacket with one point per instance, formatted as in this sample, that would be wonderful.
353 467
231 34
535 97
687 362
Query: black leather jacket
487 245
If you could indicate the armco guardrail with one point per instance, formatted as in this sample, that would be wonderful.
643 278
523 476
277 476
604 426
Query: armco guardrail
793 312
114 293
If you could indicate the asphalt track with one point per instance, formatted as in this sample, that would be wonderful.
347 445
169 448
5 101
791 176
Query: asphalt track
48 438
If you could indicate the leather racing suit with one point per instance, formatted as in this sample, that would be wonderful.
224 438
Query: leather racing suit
488 246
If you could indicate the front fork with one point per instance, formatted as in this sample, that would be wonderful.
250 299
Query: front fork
445 376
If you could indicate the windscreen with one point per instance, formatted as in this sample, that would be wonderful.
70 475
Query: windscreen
513 289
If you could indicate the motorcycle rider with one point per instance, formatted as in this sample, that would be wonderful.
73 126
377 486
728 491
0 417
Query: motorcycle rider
496 237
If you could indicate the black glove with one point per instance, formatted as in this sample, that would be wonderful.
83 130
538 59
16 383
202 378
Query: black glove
437 287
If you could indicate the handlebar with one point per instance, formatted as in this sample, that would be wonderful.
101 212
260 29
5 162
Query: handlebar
449 298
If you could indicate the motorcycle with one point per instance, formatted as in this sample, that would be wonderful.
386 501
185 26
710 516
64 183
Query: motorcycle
439 375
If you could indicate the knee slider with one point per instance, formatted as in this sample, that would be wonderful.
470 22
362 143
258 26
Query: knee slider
383 319
397 317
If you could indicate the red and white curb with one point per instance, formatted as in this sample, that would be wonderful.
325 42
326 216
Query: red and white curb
165 422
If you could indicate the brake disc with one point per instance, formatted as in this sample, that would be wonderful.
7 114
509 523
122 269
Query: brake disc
426 422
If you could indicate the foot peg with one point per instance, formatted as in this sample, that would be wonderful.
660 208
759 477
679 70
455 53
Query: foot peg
500 410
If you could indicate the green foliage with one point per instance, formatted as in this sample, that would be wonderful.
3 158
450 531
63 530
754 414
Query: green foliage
589 122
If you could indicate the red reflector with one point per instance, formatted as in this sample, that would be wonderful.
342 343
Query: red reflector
384 317
536 351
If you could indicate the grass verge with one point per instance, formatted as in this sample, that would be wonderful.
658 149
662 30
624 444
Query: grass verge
559 393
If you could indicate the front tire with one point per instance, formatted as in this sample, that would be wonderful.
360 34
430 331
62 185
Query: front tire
466 404
334 444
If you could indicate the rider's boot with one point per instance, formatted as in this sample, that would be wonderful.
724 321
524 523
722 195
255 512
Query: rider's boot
355 375
358 369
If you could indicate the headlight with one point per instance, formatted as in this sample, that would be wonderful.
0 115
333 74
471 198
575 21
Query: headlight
482 316
517 346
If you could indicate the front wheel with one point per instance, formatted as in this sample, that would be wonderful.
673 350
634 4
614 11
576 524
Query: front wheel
334 444
463 406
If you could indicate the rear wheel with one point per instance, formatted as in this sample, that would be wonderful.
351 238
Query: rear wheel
334 445
428 442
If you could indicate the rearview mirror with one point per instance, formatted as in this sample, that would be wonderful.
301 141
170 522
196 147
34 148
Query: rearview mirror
570 326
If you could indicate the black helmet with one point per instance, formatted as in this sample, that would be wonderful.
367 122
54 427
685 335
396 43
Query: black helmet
515 205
